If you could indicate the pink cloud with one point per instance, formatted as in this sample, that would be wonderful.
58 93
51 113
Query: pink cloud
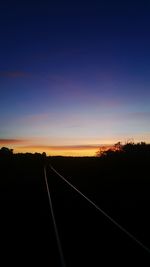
13 74
34 118
5 141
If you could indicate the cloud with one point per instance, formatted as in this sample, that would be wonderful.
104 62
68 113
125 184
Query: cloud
4 141
35 118
13 74
140 115
70 147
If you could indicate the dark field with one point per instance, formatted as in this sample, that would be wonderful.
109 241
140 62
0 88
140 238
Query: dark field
118 184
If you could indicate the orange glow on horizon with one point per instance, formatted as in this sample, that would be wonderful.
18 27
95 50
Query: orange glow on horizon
89 147
76 152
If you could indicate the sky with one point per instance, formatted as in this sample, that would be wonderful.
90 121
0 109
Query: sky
74 75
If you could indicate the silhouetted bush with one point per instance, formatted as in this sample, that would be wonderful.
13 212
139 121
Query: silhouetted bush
129 149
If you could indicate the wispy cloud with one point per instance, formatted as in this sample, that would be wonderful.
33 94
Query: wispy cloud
71 147
4 141
35 118
140 115
13 74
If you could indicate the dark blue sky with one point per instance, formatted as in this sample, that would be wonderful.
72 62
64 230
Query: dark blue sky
74 73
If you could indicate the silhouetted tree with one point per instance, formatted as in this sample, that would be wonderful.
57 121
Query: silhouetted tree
118 146
44 155
4 151
131 149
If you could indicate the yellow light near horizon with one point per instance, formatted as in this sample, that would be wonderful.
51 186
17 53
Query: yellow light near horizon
58 152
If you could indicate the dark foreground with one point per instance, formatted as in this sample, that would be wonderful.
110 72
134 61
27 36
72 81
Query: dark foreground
121 188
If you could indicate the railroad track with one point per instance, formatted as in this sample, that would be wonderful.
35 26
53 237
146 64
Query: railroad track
86 236
97 235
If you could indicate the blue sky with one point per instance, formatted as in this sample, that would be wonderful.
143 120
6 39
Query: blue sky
74 74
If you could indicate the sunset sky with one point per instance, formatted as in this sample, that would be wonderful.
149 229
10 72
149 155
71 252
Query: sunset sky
74 75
